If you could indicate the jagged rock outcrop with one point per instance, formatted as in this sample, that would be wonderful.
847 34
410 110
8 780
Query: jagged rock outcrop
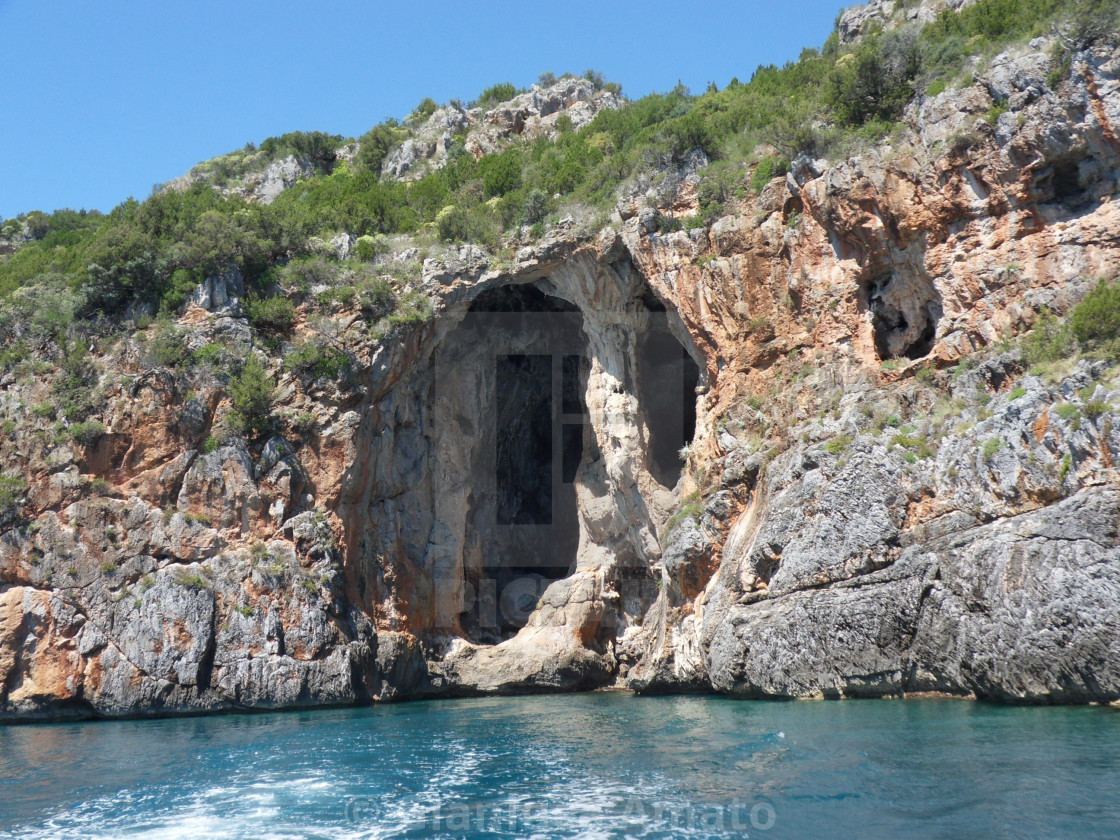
452 128
857 21
528 115
851 517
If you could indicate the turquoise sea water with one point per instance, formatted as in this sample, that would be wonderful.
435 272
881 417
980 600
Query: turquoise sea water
590 766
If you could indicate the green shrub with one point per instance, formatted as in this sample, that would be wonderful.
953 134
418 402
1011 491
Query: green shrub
990 448
73 389
317 145
219 240
425 109
463 224
299 276
501 173
1096 320
251 393
1093 410
994 113
87 432
919 446
375 144
367 247
875 80
495 95
667 223
720 184
273 316
692 507
210 445
259 553
178 288
1092 21
1049 341
1015 394
414 308
210 353
1068 412
318 361
838 444
376 296
767 168
166 345
303 422
535 207
337 296
191 580
12 489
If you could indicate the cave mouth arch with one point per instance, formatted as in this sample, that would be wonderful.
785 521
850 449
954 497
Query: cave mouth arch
523 519
516 447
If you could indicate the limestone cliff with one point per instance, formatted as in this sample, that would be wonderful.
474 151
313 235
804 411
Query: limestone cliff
875 497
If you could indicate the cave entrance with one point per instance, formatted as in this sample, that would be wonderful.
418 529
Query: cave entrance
1067 179
905 309
523 519
1071 180
667 379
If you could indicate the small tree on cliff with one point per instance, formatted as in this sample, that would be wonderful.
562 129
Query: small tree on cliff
251 393
1096 320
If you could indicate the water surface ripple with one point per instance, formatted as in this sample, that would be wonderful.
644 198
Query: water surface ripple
588 766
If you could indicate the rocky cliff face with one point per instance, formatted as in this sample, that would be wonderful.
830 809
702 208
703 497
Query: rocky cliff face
874 499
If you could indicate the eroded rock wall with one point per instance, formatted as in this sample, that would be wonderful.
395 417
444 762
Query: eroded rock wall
852 518
858 560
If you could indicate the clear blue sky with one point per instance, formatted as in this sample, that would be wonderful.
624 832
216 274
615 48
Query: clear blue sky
101 100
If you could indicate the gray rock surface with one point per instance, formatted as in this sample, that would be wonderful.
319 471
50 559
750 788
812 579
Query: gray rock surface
1024 609
848 640
219 292
281 175
1019 610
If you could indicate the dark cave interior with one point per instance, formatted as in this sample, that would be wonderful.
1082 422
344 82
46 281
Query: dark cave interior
535 438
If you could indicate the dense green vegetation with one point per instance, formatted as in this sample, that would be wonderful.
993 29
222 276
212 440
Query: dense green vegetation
1095 322
1093 326
251 392
155 251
